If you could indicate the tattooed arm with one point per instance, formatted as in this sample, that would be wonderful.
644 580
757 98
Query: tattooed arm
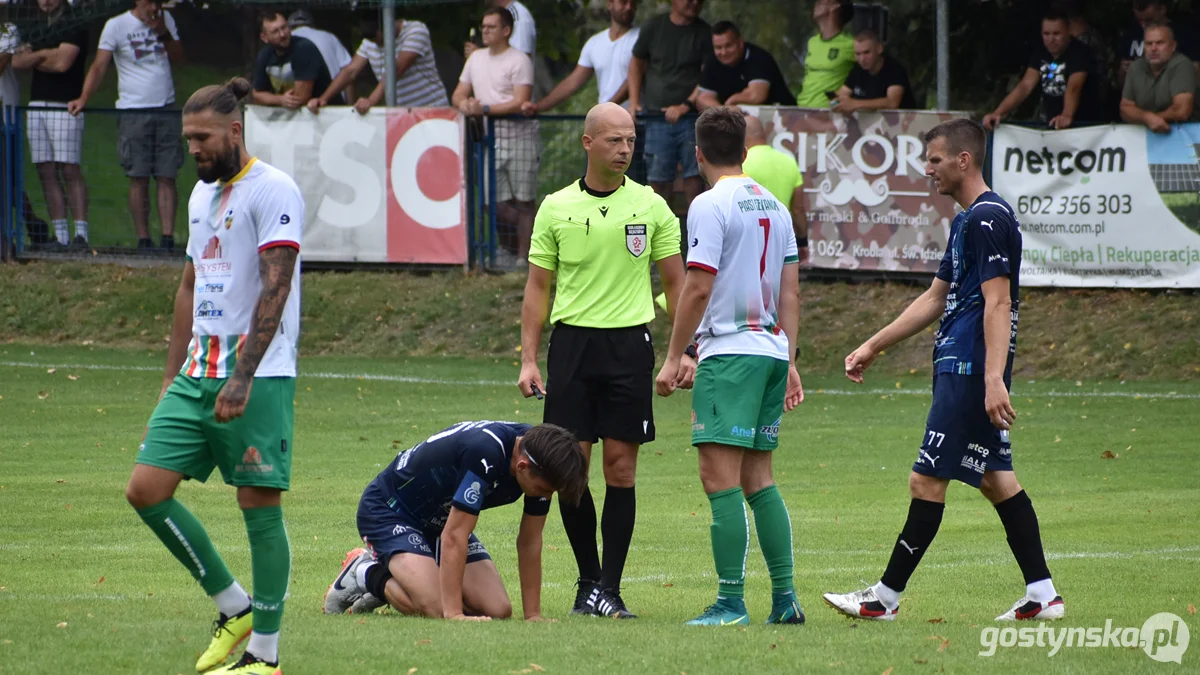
275 267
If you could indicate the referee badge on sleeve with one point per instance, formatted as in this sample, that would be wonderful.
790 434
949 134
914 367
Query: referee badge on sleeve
635 239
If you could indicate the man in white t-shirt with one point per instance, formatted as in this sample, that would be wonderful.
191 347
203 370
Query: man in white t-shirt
144 43
332 52
417 82
497 81
606 53
741 300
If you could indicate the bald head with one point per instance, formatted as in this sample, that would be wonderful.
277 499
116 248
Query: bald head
608 138
755 133
606 116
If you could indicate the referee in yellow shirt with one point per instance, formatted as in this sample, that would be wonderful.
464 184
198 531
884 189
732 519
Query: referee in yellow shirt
600 235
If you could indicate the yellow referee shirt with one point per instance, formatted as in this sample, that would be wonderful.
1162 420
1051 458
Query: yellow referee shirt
601 246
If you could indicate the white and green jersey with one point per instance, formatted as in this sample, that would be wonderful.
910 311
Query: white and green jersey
742 234
230 222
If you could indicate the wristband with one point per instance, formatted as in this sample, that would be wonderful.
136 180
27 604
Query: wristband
487 109
691 105
691 351
802 242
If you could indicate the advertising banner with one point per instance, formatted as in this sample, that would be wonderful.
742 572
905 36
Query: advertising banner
870 204
383 187
1115 206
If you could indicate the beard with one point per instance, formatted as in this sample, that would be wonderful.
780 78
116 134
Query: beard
223 167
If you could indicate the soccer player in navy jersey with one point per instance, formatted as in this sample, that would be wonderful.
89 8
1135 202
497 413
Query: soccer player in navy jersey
976 293
417 519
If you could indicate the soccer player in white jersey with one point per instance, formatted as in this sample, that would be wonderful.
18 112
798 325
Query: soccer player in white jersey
741 301
226 400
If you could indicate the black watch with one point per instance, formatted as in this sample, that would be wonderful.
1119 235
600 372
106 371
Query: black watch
802 242
691 351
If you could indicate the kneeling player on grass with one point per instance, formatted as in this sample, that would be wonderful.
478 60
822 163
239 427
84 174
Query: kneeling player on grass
418 518
976 293
742 298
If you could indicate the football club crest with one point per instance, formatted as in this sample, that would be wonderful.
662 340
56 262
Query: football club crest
635 239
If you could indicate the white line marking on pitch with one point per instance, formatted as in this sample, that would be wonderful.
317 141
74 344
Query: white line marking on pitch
411 379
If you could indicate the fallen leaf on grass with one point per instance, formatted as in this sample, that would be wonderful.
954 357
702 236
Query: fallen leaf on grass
426 641
920 662
68 507
52 371
62 624
411 671
59 480
774 646
72 377
889 670
100 580
937 620
942 647
8 642
537 667
1057 439
361 622
1109 454
552 547
43 395
1191 607
673 585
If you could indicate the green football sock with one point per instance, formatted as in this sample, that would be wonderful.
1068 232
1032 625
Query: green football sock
271 562
186 539
730 541
774 529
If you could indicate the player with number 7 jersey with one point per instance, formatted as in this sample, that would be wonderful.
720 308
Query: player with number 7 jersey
741 302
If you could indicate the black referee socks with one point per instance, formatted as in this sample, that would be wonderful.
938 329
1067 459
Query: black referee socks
580 524
620 512
924 519
1024 536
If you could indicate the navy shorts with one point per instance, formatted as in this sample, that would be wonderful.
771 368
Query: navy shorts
960 442
386 532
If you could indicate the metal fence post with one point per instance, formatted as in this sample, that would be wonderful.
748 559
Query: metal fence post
943 54
17 154
389 52
490 189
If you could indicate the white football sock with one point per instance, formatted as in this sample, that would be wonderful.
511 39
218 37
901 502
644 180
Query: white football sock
1041 591
60 231
889 598
233 600
360 574
81 229
264 646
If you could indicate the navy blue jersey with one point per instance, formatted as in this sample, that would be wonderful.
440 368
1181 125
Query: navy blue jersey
985 243
465 466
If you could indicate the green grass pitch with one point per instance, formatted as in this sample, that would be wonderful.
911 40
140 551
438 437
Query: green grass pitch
85 587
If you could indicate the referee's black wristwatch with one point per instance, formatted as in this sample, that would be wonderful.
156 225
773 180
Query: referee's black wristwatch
691 351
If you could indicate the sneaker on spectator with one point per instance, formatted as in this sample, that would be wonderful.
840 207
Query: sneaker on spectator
167 243
80 244
145 245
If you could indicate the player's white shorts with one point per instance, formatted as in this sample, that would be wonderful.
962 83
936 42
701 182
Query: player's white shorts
55 135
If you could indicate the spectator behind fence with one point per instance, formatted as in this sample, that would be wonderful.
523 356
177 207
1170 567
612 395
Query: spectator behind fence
606 53
877 81
740 73
289 70
300 22
144 43
1131 46
781 175
10 95
829 55
55 135
524 29
1160 87
663 77
497 81
417 82
1066 71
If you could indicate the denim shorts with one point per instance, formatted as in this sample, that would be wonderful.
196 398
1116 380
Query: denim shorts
669 145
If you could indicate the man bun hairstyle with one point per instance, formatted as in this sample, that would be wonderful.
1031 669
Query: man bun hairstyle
962 135
222 99
557 457
721 135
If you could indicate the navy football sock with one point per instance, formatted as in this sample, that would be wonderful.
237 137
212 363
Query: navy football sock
924 519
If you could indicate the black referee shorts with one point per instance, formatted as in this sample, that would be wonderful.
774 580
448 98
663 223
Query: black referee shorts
600 383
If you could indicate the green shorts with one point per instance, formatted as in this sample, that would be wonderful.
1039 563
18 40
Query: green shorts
738 400
253 450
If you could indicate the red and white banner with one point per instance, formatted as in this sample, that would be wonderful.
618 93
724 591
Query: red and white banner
385 187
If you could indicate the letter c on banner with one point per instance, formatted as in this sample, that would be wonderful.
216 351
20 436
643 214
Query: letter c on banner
410 155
